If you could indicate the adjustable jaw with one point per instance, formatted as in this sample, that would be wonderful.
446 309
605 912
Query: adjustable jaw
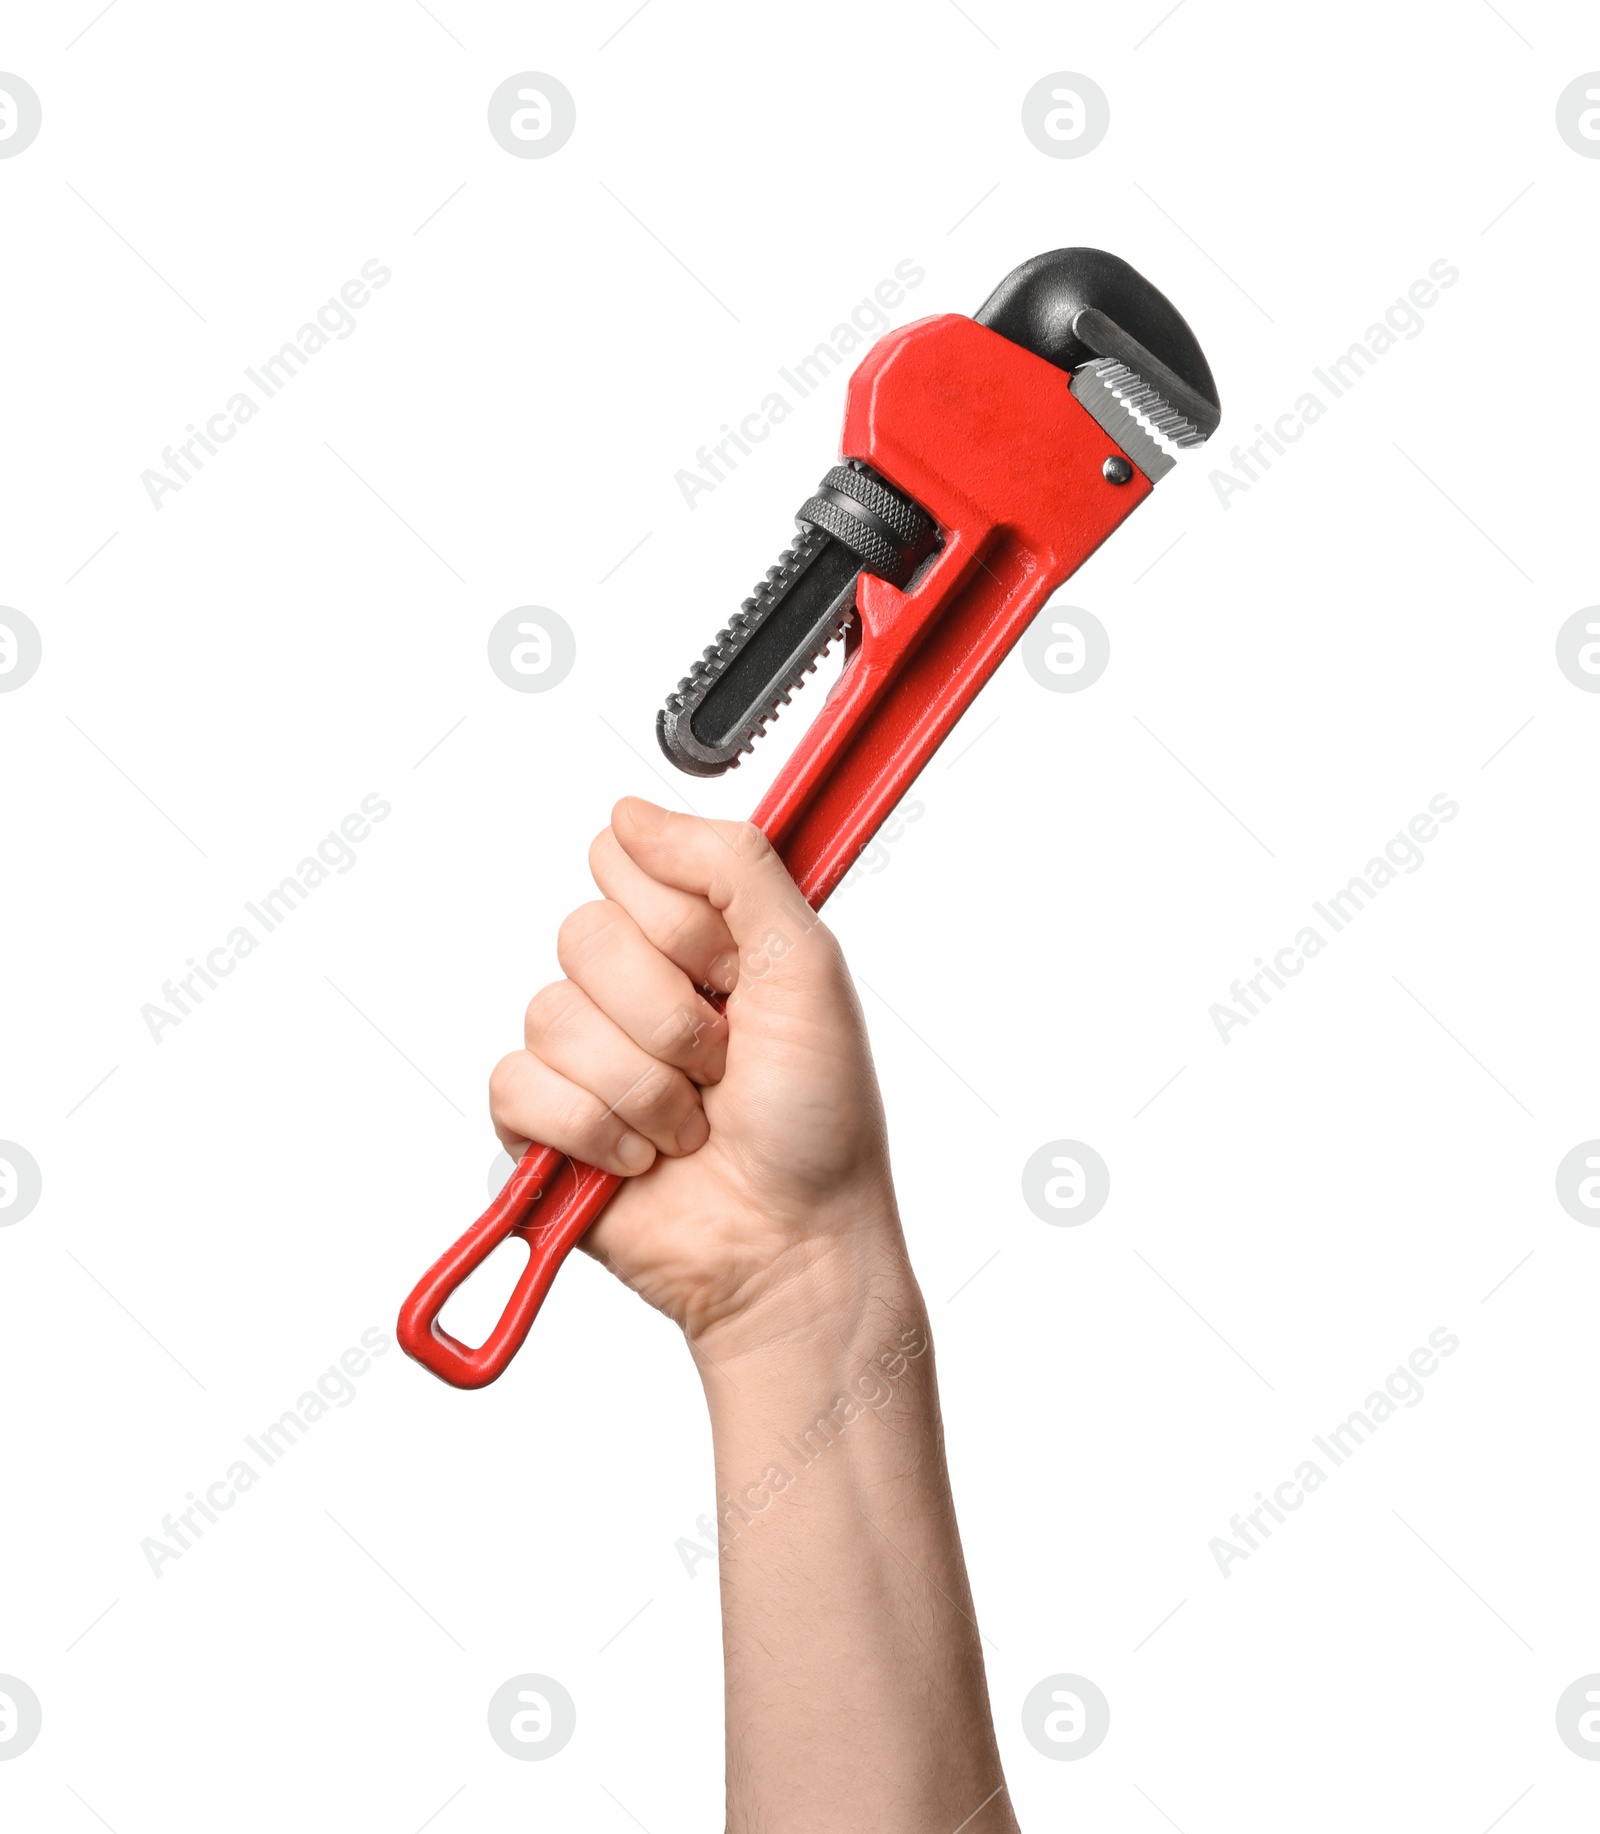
985 460
991 441
1022 438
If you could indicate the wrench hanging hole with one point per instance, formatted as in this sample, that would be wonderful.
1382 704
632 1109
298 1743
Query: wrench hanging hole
473 1309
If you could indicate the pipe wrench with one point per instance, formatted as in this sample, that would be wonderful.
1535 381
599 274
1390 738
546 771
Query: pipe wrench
983 460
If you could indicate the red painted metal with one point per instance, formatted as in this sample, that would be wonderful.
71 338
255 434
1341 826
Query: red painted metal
989 439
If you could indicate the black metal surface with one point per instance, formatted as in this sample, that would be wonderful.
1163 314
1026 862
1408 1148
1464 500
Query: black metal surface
1041 304
854 523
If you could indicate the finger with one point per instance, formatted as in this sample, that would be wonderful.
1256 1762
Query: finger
731 864
528 1100
568 1033
603 950
686 929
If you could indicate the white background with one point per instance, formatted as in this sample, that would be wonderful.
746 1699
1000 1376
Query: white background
1363 629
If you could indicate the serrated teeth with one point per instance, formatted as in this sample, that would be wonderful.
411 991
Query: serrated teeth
1146 404
791 573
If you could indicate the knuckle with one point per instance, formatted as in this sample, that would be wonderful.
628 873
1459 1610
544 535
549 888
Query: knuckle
549 1011
750 843
581 930
583 1119
504 1080
686 939
656 1091
683 1033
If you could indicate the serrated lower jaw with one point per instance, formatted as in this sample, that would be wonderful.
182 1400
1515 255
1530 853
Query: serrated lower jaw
785 629
1135 415
675 735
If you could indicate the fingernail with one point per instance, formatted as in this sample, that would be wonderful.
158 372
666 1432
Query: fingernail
694 1133
634 1152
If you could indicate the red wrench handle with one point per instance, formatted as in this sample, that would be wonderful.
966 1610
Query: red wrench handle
821 821
550 1202
989 439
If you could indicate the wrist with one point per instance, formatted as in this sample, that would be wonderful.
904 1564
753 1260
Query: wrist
828 1309
833 1408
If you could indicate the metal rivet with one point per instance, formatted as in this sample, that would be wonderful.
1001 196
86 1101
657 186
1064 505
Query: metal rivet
1116 471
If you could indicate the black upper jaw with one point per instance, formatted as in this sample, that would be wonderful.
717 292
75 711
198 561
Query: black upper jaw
1076 304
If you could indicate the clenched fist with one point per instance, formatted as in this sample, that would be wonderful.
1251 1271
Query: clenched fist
757 1201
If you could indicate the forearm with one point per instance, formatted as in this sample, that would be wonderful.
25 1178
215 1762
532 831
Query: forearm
854 1671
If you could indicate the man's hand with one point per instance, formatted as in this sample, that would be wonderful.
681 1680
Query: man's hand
752 1140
